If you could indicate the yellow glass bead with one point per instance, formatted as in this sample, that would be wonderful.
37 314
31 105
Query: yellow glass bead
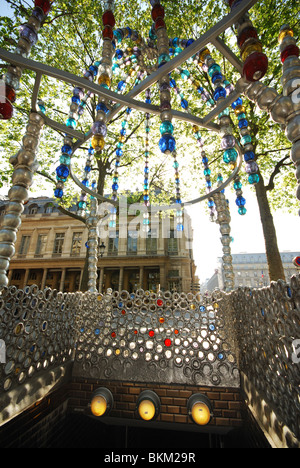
240 110
196 84
122 139
196 128
98 142
232 166
203 54
104 79
249 49
284 33
131 72
129 50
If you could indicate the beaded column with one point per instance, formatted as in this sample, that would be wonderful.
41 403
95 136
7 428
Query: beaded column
28 38
25 164
223 219
91 223
291 89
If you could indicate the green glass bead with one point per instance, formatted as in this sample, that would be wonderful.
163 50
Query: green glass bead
246 139
237 185
65 159
230 155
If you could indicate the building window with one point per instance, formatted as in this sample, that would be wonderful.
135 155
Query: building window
49 208
25 241
132 242
113 243
33 209
172 243
58 243
76 243
41 244
151 242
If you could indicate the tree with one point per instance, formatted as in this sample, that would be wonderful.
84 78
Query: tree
70 39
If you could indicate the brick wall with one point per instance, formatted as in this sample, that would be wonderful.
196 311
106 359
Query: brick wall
226 402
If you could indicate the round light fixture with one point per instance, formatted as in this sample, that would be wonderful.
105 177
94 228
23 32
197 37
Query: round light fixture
199 409
148 405
102 402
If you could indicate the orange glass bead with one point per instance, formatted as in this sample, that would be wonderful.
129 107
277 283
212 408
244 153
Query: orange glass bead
98 142
250 48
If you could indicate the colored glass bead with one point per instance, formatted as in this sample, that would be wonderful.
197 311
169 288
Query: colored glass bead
215 68
242 210
288 51
71 123
163 58
104 80
249 156
6 110
255 66
246 139
219 93
167 143
97 142
108 33
10 93
184 104
185 74
159 23
45 5
108 19
247 33
66 149
78 92
26 32
158 11
62 171
253 178
230 155
284 33
237 185
240 201
179 227
58 193
99 128
228 141
65 159
251 167
122 86
243 123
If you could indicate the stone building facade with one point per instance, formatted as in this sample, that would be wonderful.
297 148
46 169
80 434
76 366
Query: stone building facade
51 251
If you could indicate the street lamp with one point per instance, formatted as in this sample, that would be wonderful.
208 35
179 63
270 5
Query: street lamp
102 248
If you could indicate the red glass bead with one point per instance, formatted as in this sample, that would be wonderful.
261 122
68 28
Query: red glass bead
45 5
158 11
288 51
151 333
6 109
113 335
255 66
10 93
159 23
246 34
108 19
168 342
108 33
123 312
159 302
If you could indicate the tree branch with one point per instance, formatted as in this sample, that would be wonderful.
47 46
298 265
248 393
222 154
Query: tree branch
276 171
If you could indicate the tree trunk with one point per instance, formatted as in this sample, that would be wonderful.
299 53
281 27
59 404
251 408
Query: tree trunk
276 270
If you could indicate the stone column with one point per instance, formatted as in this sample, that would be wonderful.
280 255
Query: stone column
44 278
62 279
121 277
26 277
101 280
25 164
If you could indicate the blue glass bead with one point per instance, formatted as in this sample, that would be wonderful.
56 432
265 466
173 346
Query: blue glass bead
246 139
146 170
146 222
146 186
210 203
200 90
167 143
61 179
171 51
128 110
241 116
189 42
176 165
166 127
240 201
177 51
215 68
102 107
242 210
219 92
85 182
119 152
179 227
238 102
82 205
208 184
207 172
119 53
122 86
117 163
66 149
172 83
243 123
62 171
115 186
178 201
116 69
152 35
78 92
91 150
58 193
65 159
205 160
123 131
115 179
129 31
93 69
175 42
202 309
87 169
148 101
76 100
42 108
112 224
71 123
118 33
253 178
249 156
94 184
216 77
28 33
184 104
145 181
146 197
